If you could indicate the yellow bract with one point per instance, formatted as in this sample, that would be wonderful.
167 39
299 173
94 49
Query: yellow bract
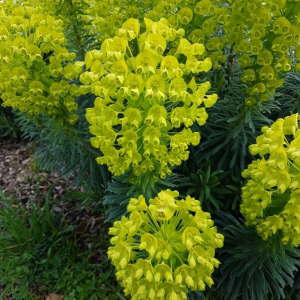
32 64
144 108
245 26
176 241
258 32
271 198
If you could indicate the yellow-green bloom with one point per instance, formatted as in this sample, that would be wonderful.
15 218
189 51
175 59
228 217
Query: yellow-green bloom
162 251
258 32
32 59
144 99
270 199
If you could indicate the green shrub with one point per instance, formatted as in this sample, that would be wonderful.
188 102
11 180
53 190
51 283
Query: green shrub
66 150
8 126
252 268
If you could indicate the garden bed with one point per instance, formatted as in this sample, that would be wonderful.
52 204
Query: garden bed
24 185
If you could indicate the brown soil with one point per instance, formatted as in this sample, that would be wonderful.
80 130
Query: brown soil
22 182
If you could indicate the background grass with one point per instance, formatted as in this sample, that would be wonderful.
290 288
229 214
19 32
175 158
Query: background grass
40 253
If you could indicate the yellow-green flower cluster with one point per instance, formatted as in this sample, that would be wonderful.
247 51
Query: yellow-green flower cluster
264 34
201 21
33 63
77 18
260 34
146 100
162 250
271 197
108 16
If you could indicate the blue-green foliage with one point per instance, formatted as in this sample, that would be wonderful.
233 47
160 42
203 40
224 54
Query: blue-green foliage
252 268
66 150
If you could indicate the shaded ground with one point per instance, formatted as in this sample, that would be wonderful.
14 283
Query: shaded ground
20 178
23 182
19 175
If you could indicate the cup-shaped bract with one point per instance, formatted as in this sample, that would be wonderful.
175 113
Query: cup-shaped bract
271 197
162 250
147 99
266 31
34 64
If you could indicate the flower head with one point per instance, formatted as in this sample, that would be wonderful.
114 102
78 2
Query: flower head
145 99
165 249
270 199
33 84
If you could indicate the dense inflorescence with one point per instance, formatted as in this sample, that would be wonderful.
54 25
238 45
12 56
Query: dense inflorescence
271 198
264 34
146 100
162 250
261 36
77 17
149 66
33 62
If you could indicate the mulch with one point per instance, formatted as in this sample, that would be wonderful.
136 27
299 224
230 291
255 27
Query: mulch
21 181
19 176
